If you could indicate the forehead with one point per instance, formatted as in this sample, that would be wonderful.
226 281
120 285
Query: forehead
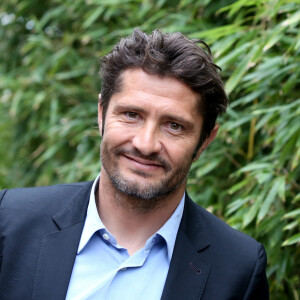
165 85
157 89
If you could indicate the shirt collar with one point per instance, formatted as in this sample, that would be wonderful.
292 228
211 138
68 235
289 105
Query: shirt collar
169 230
93 223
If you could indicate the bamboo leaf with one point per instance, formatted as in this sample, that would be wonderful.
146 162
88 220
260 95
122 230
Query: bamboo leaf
292 240
256 166
271 197
292 214
234 206
251 214
292 225
281 187
93 16
240 71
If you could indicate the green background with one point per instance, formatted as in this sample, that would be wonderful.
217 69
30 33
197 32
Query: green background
249 176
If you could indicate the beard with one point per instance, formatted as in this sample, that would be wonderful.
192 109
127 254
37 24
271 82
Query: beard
145 193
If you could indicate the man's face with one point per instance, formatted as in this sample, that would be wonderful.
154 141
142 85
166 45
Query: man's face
152 127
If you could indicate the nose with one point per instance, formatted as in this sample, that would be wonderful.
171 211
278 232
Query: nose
147 140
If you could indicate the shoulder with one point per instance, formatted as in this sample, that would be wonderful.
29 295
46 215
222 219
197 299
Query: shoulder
38 194
223 239
36 202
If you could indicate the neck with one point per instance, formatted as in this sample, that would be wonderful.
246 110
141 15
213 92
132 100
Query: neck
131 222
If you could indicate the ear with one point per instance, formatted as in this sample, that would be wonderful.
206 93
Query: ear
100 110
208 140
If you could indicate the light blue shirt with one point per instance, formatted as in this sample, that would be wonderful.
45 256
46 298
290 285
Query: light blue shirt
104 270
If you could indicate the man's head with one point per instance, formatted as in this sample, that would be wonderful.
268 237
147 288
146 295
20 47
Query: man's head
167 55
161 95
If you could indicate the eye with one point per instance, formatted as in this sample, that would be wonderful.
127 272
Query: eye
131 115
175 127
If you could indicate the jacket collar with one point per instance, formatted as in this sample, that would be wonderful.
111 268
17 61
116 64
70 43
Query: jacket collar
74 210
58 249
189 269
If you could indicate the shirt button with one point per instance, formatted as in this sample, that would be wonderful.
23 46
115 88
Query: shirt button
105 236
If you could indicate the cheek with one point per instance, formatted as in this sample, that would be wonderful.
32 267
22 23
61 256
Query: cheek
179 153
115 135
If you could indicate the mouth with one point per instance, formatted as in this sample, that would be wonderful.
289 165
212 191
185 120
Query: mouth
144 164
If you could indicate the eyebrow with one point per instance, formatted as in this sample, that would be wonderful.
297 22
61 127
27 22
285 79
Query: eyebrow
122 107
178 119
138 109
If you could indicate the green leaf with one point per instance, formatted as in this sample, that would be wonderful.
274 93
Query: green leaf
256 166
234 206
251 214
281 187
93 16
271 197
208 167
292 214
292 240
291 225
239 186
293 19
240 71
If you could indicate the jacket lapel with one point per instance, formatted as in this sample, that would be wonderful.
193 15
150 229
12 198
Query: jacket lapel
58 249
189 269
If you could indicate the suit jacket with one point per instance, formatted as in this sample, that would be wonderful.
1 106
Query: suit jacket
40 229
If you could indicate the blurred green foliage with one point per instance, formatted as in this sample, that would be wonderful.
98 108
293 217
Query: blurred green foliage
250 175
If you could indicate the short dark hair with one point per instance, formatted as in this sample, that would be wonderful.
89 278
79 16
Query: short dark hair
171 55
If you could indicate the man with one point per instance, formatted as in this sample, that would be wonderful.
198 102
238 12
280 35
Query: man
134 233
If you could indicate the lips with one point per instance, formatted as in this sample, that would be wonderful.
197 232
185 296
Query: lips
143 163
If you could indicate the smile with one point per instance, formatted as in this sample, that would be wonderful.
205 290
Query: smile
143 164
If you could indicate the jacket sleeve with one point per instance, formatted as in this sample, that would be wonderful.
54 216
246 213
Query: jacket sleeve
2 193
258 287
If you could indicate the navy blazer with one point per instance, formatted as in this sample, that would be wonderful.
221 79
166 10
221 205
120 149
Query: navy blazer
40 229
